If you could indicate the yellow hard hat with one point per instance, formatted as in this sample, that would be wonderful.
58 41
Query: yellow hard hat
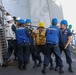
41 24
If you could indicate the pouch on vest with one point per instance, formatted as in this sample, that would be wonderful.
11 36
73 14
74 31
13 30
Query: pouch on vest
40 38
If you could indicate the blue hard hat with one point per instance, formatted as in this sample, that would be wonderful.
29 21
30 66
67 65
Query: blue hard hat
22 21
64 22
28 21
54 20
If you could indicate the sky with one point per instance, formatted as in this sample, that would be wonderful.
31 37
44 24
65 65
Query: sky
69 11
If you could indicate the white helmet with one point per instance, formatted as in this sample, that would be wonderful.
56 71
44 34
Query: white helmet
17 18
8 18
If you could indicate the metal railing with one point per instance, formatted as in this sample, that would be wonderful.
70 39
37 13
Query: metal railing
73 43
3 44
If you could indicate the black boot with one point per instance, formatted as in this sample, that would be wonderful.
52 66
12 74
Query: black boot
56 68
5 63
35 64
25 65
44 70
20 66
61 71
70 68
51 66
39 64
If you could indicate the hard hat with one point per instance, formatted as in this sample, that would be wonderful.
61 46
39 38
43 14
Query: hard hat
70 26
17 18
28 21
54 20
64 22
41 24
8 18
22 21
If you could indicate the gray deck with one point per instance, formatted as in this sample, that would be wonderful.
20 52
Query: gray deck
13 70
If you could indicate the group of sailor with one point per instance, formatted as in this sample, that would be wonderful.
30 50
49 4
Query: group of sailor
24 40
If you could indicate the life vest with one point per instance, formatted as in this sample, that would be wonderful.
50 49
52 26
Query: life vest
22 35
40 38
10 34
52 35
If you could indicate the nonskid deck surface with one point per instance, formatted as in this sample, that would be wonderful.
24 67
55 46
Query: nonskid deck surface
12 69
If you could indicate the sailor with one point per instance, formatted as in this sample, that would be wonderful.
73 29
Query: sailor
40 41
65 42
22 44
29 27
10 37
52 41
